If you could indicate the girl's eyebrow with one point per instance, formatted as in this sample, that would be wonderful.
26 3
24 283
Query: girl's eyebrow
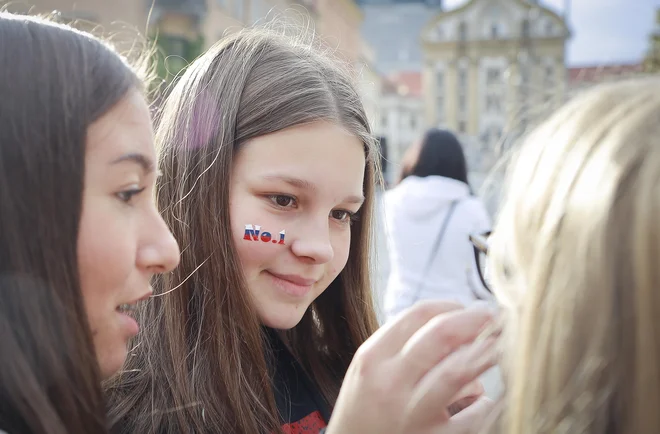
139 159
303 184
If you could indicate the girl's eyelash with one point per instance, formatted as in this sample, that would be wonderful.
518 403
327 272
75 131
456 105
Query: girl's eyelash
352 216
126 195
273 198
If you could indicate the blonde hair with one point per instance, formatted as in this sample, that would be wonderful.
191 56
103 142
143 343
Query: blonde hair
575 259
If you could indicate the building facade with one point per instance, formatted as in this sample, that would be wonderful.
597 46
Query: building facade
401 117
110 15
493 67
393 29
185 28
203 22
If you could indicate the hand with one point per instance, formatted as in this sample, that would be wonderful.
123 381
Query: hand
404 377
466 397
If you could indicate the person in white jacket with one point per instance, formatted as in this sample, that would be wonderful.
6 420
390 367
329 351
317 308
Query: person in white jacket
428 218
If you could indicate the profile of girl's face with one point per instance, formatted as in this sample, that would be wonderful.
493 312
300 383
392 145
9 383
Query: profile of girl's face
122 240
302 187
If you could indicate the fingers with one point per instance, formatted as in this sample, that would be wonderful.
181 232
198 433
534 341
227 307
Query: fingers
434 393
440 337
389 339
473 419
474 389
466 397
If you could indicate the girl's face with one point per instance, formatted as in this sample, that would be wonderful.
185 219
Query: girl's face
122 241
292 198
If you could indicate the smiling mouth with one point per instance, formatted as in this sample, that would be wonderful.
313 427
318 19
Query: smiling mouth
292 285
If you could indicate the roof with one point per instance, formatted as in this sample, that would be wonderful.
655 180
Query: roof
405 83
527 4
594 73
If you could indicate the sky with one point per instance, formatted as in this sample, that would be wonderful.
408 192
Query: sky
604 31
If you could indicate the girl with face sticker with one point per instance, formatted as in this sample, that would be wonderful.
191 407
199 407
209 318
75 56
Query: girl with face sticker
80 235
255 331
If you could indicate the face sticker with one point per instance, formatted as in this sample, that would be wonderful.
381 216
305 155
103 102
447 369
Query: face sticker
254 233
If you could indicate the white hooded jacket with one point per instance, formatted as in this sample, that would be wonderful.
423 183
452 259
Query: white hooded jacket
414 213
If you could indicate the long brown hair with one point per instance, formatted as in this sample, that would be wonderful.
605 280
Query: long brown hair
575 263
201 365
54 82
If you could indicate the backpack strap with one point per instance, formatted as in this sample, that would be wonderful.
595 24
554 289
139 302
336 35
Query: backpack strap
435 248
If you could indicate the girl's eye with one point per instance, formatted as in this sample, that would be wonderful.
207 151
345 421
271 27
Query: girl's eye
342 215
283 201
127 195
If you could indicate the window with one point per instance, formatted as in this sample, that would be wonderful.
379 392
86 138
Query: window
493 76
440 82
462 31
383 120
524 76
462 90
462 127
525 30
549 76
413 123
462 79
493 104
494 28
549 28
462 103
549 71
494 31
440 108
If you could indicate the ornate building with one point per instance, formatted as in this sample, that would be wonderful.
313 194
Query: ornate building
493 67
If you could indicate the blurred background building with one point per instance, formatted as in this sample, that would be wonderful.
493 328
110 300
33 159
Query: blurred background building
486 69
401 116
491 65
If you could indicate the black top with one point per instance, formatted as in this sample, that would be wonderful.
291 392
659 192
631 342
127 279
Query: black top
299 401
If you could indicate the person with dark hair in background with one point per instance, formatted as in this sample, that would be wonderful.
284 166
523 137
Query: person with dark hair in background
429 216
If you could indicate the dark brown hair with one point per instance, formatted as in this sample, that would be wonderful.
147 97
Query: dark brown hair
54 82
201 365
439 153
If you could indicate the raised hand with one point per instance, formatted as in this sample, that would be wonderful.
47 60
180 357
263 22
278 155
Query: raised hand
405 377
